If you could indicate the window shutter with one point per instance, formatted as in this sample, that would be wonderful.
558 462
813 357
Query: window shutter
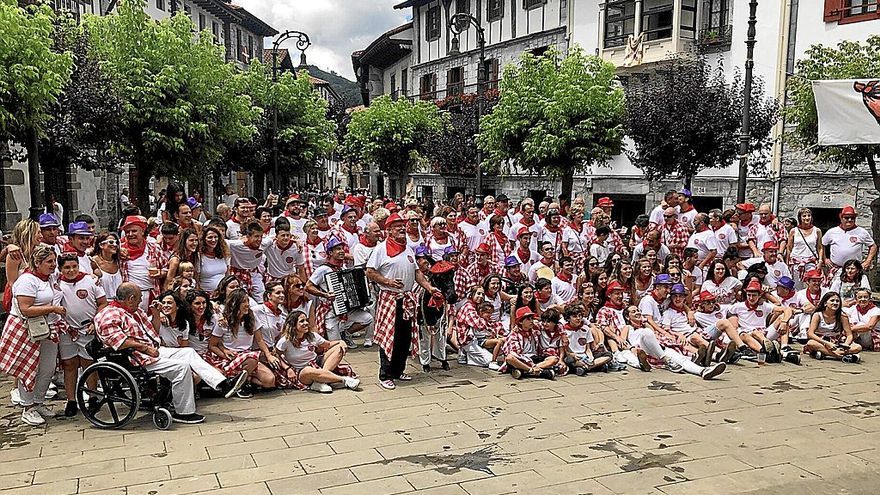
833 10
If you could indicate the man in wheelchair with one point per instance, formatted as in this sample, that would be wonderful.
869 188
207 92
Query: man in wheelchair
123 325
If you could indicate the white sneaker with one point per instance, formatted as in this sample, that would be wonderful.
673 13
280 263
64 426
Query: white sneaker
32 417
494 366
350 382
51 392
15 397
368 343
43 411
321 387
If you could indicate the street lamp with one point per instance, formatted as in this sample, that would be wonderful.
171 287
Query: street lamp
457 24
302 42
745 136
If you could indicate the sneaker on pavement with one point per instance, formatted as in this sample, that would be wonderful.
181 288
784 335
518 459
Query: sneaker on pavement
320 387
727 354
404 377
747 353
580 371
368 343
245 392
673 367
51 392
233 384
43 411
494 366
817 355
70 409
710 351
426 368
387 384
189 419
444 365
15 397
851 358
700 357
713 371
791 356
516 373
351 382
348 342
642 356
32 417
548 374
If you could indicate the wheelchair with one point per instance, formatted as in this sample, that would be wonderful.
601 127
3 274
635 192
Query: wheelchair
123 389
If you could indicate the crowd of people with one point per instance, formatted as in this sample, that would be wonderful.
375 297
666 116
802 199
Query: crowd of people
240 302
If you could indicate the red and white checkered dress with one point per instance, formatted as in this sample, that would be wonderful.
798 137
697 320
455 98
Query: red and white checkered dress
676 238
386 313
19 355
234 366
114 324
500 249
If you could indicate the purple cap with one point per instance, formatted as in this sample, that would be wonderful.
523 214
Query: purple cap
333 242
663 279
346 209
786 282
79 228
48 220
678 289
511 261
421 251
686 192
450 250
191 201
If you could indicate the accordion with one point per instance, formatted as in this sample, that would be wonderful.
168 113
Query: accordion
350 290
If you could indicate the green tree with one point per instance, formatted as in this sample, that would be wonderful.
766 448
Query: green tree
84 119
686 118
557 115
305 134
392 134
32 76
849 60
180 108
454 150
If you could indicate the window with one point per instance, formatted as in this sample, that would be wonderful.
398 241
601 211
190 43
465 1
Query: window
540 51
495 9
239 48
250 47
427 86
716 14
531 4
492 76
403 82
462 6
657 20
215 30
849 11
432 24
393 87
455 81
620 22
202 22
187 9
160 4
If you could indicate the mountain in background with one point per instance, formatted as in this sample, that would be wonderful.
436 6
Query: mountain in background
349 91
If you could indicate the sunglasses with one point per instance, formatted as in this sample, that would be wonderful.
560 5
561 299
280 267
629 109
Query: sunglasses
849 218
594 263
668 216
111 242
299 286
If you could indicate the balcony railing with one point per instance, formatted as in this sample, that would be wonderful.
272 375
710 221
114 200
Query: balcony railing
715 39
459 90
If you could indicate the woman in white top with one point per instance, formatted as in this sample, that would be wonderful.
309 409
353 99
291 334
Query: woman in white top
204 319
497 298
232 340
33 364
440 238
271 314
848 280
310 361
864 321
830 334
575 243
172 319
295 294
213 259
805 249
187 250
106 258
721 283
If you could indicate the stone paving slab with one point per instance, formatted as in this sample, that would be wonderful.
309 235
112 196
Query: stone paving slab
467 431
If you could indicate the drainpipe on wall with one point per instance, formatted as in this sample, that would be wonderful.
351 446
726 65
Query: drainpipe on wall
788 30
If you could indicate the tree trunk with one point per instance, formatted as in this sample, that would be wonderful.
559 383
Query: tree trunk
32 144
567 184
259 182
875 210
688 180
143 188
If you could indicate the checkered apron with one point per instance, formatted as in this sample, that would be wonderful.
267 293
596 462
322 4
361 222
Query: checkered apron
231 367
19 355
830 275
282 380
321 312
386 312
800 266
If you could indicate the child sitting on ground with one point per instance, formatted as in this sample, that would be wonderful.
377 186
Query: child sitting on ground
492 337
582 353
521 349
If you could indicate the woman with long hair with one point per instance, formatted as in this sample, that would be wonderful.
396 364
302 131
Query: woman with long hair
864 321
498 242
213 257
309 361
805 250
830 334
106 258
33 298
227 286
232 340
644 279
172 319
848 280
187 250
720 283
25 237
271 314
295 298
574 240
204 321
174 197
600 283
625 276
525 298
495 296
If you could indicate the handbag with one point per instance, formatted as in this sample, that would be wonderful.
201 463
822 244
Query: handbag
38 328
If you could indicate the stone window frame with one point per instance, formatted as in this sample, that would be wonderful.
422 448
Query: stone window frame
494 9
432 23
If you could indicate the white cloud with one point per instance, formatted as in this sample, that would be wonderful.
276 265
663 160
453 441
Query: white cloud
336 27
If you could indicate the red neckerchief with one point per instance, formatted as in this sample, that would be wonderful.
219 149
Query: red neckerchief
525 255
70 248
500 212
552 228
539 298
468 220
331 211
366 242
251 247
500 238
487 213
864 311
565 277
682 210
275 310
235 219
610 304
755 307
569 328
770 219
79 276
314 243
723 223
814 301
597 242
443 238
642 279
134 252
355 231
528 222
680 309
654 295
283 248
44 278
267 229
847 230
393 248
335 265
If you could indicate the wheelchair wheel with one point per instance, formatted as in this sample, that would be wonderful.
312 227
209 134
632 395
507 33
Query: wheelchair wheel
116 399
162 418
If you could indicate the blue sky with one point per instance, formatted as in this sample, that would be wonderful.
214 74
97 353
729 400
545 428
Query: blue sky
336 27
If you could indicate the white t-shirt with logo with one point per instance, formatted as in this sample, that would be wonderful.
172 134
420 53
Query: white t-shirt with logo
704 242
300 356
80 299
847 245
774 271
402 266
751 319
282 262
579 339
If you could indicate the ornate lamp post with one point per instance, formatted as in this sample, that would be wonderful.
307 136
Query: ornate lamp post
457 24
745 136
302 42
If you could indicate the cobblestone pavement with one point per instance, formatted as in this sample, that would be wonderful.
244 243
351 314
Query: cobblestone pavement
813 429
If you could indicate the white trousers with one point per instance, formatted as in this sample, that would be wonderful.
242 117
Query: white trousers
335 325
177 364
438 339
45 372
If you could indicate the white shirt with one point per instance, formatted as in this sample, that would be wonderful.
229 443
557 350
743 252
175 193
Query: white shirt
240 342
361 253
473 234
43 293
704 242
774 272
211 271
565 290
649 306
300 356
282 262
268 323
856 318
579 339
847 245
687 217
244 257
725 236
725 292
80 299
751 319
401 267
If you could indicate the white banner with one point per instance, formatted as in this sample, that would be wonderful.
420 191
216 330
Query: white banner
849 111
